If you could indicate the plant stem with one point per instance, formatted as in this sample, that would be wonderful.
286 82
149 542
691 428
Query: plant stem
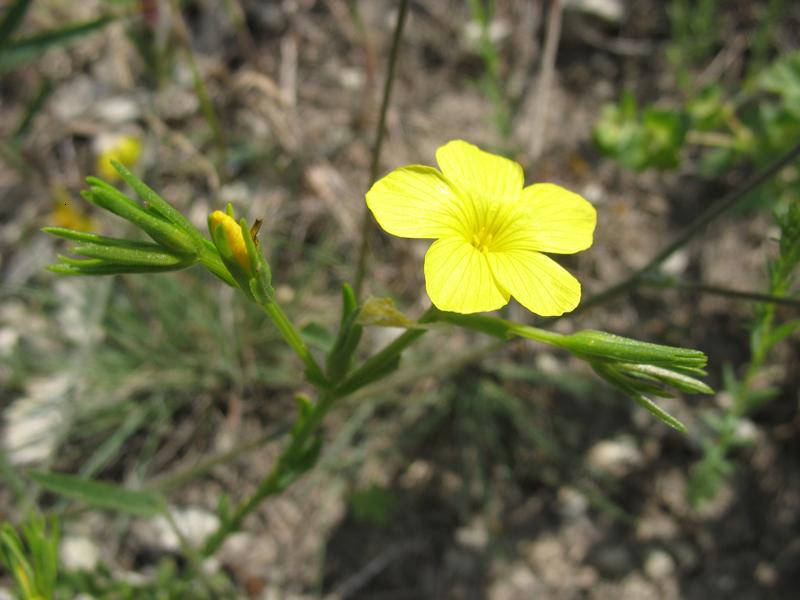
275 481
728 293
711 214
207 108
545 81
376 148
292 337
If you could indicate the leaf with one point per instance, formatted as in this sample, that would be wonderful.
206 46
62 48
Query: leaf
782 331
99 494
20 51
665 133
617 380
12 19
783 78
316 336
33 108
344 346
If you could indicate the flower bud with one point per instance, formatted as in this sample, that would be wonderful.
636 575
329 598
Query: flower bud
233 236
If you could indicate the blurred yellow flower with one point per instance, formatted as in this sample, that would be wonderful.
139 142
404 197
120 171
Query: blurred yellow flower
234 237
65 214
126 150
490 231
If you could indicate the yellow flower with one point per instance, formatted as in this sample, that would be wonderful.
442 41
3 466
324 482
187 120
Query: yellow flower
233 235
65 214
490 231
125 150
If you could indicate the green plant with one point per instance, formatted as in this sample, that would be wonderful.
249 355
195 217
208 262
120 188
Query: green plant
19 50
31 556
746 395
756 126
695 33
636 368
491 82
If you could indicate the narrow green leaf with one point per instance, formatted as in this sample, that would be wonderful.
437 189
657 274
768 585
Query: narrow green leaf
618 381
12 20
782 331
347 339
71 266
33 108
132 256
161 231
153 200
316 336
100 240
20 51
658 412
679 381
99 494
261 280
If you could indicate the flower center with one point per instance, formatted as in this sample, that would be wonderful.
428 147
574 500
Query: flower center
482 239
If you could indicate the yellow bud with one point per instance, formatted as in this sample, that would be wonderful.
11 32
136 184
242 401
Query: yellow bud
233 235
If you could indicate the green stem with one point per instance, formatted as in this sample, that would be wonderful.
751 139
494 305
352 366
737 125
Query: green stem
292 337
274 483
206 107
501 328
376 148
361 376
711 214
728 293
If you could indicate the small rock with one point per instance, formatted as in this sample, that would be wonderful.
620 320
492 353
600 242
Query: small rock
612 559
594 193
571 503
418 474
686 554
746 431
615 457
79 553
766 574
8 341
658 564
518 583
73 97
117 110
33 422
676 264
611 11
474 536
194 523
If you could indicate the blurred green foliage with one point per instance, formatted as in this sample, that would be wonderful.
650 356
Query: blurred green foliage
745 393
640 139
30 553
756 125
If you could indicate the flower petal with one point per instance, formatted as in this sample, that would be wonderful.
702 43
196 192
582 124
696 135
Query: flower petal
415 202
480 173
561 221
537 282
458 278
